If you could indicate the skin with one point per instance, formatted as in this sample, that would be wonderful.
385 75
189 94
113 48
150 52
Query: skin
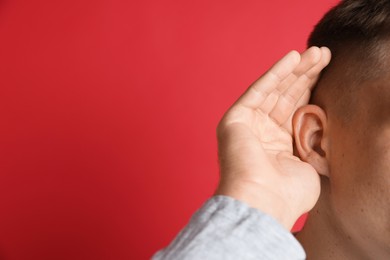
352 217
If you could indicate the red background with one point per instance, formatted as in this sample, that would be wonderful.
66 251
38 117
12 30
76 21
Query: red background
108 112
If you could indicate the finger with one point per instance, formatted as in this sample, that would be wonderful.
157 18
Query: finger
303 100
309 59
257 93
267 106
312 75
314 72
288 101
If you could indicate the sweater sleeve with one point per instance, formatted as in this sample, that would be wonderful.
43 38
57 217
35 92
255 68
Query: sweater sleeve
225 228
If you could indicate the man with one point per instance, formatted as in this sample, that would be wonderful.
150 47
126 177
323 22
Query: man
280 157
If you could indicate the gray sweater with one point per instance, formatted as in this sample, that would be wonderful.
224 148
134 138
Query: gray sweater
225 228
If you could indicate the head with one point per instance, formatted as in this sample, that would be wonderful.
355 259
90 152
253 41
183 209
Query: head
344 133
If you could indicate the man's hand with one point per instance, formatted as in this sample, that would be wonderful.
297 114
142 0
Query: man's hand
255 143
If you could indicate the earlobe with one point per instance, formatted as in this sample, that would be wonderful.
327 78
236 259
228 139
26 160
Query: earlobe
309 127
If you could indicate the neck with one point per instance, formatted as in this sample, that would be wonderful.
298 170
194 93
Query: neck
323 237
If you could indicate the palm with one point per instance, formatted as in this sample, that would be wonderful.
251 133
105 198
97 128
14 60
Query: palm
263 144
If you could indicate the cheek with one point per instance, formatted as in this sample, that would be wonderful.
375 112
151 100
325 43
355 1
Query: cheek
360 159
377 162
360 169
360 182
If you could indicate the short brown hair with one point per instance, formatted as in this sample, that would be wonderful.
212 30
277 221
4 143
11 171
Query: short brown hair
357 33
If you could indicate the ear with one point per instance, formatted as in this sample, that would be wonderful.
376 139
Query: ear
309 127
